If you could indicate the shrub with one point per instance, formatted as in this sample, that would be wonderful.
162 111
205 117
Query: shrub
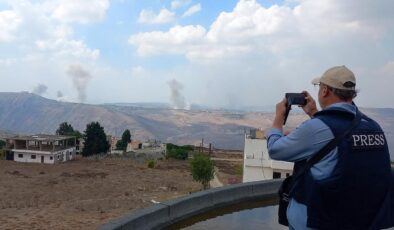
239 169
202 169
178 152
151 164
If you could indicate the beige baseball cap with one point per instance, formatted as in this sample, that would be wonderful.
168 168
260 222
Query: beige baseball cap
339 77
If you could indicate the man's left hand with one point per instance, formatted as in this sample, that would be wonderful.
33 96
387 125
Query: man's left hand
280 114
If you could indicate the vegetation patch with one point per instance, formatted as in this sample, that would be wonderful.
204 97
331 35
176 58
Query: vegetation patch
202 169
151 164
179 152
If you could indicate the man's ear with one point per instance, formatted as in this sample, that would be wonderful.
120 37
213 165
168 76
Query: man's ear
325 91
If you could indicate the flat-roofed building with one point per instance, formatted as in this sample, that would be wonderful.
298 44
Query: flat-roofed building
48 149
257 163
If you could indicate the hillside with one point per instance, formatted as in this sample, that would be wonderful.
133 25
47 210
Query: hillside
29 113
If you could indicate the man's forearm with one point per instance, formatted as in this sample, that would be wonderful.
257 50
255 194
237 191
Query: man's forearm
278 123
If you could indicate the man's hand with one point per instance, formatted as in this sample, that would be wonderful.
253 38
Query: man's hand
280 114
310 108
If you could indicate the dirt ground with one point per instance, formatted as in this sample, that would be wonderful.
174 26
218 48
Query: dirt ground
84 194
229 172
229 166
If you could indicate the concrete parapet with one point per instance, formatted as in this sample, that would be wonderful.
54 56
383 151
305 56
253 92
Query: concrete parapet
144 219
166 213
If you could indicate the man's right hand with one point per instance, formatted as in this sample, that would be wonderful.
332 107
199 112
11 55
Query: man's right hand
310 107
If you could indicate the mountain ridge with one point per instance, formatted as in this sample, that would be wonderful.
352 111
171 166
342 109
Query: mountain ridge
26 113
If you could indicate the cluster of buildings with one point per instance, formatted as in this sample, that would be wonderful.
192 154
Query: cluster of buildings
51 149
257 163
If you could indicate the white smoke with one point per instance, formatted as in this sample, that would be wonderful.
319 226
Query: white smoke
80 79
40 89
61 97
177 99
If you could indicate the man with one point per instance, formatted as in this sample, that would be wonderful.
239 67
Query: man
350 188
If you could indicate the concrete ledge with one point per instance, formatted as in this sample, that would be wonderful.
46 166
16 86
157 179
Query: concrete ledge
166 213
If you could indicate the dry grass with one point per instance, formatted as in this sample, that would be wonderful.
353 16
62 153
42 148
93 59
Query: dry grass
229 171
84 194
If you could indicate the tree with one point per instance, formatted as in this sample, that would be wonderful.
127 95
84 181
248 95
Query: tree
95 140
126 138
67 130
202 169
64 129
119 145
178 152
2 144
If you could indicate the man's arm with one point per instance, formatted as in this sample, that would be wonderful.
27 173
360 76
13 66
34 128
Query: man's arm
301 143
304 141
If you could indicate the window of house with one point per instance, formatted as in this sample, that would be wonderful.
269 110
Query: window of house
20 155
33 156
51 158
287 175
276 175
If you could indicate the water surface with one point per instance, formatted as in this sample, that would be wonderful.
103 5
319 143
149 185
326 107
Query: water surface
251 215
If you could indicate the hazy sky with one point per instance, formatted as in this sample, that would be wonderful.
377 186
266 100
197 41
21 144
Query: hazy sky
213 52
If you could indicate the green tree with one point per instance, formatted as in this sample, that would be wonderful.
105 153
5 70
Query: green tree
119 145
2 144
202 169
64 129
126 138
67 130
95 140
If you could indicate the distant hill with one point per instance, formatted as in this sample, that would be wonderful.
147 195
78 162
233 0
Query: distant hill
26 113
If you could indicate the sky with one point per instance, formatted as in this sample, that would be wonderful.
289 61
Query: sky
223 53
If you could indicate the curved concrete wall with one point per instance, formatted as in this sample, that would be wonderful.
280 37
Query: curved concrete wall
166 213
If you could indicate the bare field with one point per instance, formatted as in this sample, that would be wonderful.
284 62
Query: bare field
83 194
229 165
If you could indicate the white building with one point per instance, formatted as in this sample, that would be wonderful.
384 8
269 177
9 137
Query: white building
257 163
47 149
80 143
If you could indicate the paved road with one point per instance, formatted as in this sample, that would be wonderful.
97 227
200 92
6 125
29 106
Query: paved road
215 182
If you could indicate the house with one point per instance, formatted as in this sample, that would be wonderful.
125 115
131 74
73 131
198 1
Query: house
113 140
134 145
257 163
48 149
80 143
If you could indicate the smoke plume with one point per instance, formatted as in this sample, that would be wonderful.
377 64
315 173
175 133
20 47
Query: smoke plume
177 99
40 89
80 79
59 94
61 97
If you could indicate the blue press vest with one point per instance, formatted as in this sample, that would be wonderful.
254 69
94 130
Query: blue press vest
359 194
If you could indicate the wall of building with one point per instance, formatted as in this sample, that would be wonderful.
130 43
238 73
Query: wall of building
49 158
257 163
27 157
253 173
254 149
